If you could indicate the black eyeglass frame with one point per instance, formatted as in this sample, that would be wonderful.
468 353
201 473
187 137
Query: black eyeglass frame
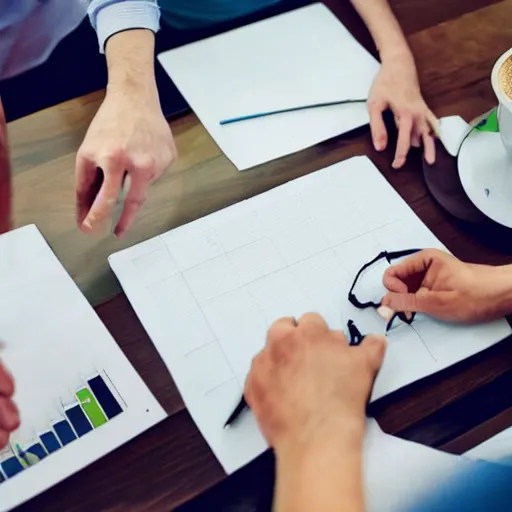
388 256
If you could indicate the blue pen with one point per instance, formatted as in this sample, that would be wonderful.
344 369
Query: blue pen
284 110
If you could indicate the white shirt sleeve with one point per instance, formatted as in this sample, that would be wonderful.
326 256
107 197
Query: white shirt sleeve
108 17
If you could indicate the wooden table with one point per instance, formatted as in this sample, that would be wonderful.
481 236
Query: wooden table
456 43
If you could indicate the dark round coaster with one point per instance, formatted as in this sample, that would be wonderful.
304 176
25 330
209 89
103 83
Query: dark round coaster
443 181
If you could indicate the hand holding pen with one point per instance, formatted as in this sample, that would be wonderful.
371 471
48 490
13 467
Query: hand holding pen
282 340
308 383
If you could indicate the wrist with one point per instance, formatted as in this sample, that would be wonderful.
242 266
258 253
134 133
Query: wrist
130 60
142 90
397 52
343 438
322 475
501 299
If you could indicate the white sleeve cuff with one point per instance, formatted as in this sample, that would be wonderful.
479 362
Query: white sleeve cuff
109 17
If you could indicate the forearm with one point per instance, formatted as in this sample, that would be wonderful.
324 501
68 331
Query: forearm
327 477
384 28
130 61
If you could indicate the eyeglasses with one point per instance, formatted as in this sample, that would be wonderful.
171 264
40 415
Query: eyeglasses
375 296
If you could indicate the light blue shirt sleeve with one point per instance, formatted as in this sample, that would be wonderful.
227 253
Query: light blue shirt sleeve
108 17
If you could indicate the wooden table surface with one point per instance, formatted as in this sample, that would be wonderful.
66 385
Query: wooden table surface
455 43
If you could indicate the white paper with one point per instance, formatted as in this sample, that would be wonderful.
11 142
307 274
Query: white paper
54 344
299 58
452 132
223 286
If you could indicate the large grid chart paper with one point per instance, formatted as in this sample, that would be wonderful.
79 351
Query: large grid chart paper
79 397
207 292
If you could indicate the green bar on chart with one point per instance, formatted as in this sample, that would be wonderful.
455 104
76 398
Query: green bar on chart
91 408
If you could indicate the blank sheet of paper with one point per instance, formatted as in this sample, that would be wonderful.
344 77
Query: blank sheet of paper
78 396
207 292
299 58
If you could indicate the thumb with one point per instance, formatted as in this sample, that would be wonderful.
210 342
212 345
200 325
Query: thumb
419 302
375 348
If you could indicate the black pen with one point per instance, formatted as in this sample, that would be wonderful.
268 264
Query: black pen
242 405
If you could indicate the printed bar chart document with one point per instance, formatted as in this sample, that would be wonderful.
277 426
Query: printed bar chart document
207 291
78 396
304 57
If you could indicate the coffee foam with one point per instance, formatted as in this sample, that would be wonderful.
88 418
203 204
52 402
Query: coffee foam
505 77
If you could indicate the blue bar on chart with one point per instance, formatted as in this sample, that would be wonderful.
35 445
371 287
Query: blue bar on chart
64 432
50 441
38 450
96 402
106 399
11 466
78 419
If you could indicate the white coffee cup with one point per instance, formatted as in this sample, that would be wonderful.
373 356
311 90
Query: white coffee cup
505 104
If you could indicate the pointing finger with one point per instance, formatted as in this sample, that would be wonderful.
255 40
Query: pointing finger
429 148
88 181
377 126
104 204
136 197
404 140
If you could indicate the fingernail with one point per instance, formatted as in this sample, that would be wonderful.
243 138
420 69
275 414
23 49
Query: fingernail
377 145
87 223
408 315
385 312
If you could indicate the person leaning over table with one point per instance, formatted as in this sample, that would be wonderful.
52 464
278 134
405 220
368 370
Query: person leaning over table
308 389
129 132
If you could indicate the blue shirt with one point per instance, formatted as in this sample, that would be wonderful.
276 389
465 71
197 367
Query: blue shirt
30 29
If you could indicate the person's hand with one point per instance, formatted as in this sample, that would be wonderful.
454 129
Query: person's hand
128 135
308 385
438 284
9 416
396 87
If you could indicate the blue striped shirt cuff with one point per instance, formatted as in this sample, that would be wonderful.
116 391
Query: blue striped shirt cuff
108 17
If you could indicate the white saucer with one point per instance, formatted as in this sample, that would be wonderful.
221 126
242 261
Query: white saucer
486 175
